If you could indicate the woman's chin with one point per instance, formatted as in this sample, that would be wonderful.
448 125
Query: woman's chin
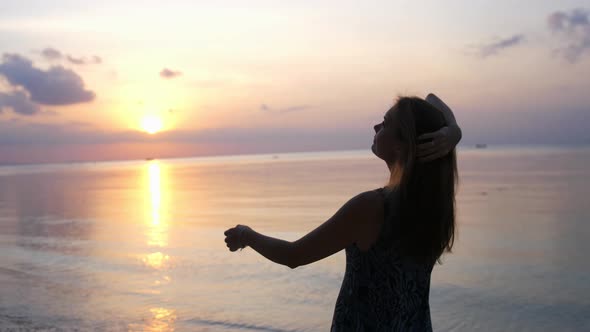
374 150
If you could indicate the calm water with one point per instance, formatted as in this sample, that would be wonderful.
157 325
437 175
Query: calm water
139 245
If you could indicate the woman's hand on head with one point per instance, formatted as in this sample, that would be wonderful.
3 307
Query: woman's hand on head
234 237
442 142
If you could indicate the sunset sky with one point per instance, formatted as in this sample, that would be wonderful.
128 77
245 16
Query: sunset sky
86 80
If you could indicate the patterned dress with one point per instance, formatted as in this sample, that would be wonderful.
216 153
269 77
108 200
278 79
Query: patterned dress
381 290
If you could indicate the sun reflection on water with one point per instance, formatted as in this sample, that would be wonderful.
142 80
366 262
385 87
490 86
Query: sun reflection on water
156 224
155 190
157 232
162 319
156 260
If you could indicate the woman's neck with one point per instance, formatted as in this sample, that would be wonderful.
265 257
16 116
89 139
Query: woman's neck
395 175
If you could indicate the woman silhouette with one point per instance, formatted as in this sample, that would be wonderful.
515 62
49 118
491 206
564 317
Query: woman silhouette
393 235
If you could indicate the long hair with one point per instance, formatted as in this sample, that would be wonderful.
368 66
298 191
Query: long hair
426 210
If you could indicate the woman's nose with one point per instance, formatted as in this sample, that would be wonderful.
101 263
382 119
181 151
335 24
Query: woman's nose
376 127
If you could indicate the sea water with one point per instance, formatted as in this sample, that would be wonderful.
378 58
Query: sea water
138 245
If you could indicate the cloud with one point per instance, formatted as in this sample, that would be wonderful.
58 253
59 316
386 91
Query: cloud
52 54
83 60
169 73
266 108
55 86
574 28
76 61
495 47
19 102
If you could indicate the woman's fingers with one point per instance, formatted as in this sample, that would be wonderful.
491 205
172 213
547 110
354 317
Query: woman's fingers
429 153
429 158
230 231
434 144
230 238
427 145
430 135
231 241
232 245
437 152
233 237
431 147
422 147
439 143
426 153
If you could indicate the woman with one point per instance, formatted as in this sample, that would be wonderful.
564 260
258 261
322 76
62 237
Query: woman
394 235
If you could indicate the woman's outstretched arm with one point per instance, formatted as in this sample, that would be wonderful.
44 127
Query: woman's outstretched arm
344 228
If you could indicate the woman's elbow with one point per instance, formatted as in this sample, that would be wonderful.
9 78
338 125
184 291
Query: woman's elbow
294 258
293 261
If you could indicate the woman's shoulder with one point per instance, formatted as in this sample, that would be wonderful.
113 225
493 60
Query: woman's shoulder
377 195
370 211
370 199
371 195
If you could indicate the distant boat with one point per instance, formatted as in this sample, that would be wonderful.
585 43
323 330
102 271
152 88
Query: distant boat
149 159
481 146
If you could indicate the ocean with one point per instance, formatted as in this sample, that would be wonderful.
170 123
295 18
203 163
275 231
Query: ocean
139 245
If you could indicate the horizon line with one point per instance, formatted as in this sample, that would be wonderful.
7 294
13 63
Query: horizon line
229 155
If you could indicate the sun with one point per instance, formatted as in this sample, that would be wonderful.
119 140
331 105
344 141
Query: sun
151 124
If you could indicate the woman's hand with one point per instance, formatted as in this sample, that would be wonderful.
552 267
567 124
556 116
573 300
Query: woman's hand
442 142
234 237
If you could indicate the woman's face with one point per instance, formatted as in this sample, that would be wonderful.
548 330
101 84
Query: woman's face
385 144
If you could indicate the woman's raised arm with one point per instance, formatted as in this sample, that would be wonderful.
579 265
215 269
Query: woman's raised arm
433 100
442 141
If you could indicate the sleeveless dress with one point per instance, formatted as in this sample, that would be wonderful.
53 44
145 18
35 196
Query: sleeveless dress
381 290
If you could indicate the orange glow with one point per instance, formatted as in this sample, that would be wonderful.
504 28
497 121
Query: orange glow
136 105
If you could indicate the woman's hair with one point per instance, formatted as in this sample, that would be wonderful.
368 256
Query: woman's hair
426 211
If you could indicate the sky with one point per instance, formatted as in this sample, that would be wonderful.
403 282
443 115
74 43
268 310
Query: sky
84 81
